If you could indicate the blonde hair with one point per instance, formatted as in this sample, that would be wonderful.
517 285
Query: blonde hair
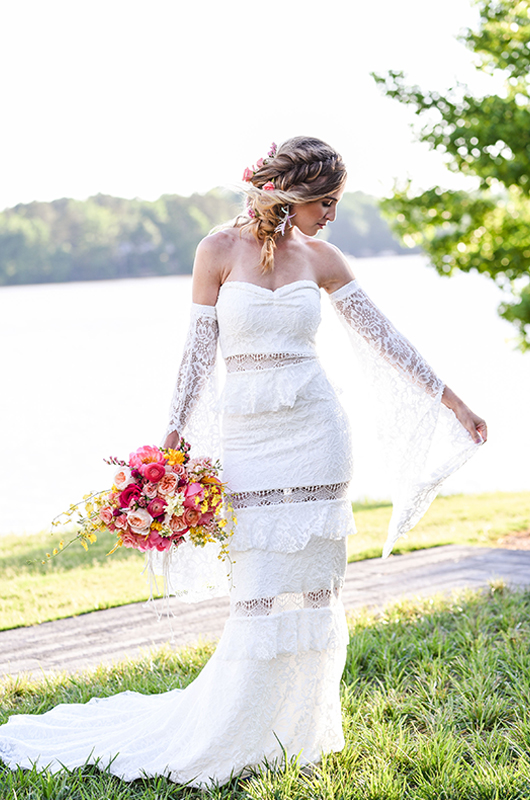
302 170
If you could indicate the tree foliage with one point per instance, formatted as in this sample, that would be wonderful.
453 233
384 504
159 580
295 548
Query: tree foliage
488 138
106 237
109 237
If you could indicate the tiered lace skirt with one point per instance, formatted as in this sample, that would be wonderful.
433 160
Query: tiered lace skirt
273 681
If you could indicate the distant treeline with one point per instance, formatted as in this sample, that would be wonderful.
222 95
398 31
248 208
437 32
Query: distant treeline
108 237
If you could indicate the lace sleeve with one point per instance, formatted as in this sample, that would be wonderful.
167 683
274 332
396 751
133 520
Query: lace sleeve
362 316
195 573
196 369
422 440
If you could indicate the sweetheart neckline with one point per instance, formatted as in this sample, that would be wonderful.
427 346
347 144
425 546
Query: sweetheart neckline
307 281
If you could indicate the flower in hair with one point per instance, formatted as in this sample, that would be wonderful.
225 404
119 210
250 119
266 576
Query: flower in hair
273 150
248 174
269 187
251 212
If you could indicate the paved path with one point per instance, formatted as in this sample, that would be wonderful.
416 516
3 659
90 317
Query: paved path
117 633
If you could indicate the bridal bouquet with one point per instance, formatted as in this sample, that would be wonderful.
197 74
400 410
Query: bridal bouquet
160 498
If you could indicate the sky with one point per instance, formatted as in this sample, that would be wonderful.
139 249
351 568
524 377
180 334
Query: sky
139 98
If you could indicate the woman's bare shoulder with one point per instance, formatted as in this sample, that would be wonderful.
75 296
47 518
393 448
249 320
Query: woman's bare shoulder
330 266
212 258
215 245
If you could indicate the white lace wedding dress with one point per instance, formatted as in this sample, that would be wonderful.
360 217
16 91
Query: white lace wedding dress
273 681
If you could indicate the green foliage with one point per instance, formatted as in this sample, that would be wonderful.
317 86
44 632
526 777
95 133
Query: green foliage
487 138
434 702
109 237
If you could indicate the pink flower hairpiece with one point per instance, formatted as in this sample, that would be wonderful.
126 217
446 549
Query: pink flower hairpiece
269 187
249 172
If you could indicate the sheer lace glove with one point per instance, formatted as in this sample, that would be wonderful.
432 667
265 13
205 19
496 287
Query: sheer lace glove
365 319
196 368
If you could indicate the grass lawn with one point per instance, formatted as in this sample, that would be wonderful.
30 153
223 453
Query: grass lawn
473 519
77 582
435 700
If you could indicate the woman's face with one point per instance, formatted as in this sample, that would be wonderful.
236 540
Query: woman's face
310 218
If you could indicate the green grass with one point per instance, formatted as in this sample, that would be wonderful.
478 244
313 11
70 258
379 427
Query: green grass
435 707
76 582
72 583
471 519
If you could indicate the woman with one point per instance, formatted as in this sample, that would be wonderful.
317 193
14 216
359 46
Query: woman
272 685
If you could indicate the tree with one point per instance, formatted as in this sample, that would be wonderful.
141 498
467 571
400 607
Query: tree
486 229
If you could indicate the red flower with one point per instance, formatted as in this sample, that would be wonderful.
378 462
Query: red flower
130 493
153 472
157 507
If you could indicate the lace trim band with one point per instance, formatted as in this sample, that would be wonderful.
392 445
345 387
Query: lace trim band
297 494
288 601
261 361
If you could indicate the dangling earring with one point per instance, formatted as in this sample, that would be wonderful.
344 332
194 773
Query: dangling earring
285 220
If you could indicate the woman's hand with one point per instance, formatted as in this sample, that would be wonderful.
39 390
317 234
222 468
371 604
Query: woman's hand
172 441
474 424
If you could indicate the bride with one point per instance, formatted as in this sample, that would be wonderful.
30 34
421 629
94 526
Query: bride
272 685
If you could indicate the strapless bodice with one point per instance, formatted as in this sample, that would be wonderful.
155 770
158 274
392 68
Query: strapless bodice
254 320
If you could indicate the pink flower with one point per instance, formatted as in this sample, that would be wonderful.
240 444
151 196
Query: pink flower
139 520
123 478
130 493
259 163
269 187
177 524
191 517
153 472
130 539
121 521
150 490
146 455
202 463
157 507
168 484
157 542
105 515
177 469
272 151
248 174
193 493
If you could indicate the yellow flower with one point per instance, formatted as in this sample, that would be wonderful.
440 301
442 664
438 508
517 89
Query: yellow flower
157 526
92 537
175 457
84 544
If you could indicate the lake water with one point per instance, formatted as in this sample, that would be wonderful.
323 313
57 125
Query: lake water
88 370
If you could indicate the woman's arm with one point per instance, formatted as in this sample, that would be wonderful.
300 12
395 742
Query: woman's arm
362 315
200 349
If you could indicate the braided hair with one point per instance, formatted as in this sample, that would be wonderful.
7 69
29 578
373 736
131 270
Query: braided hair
301 171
